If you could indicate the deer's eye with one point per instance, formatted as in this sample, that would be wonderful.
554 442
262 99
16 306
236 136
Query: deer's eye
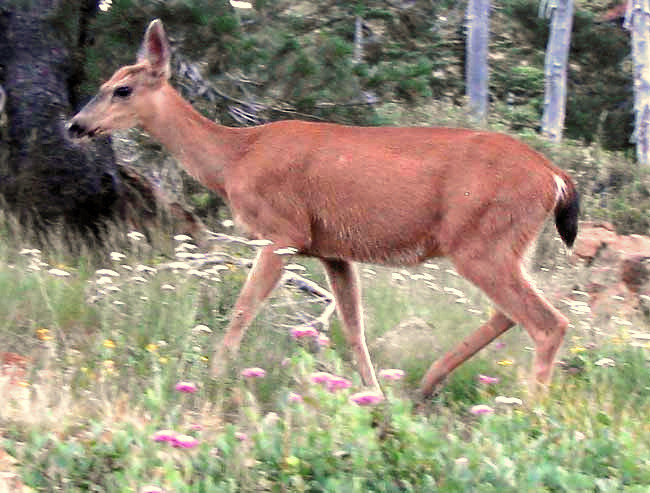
122 92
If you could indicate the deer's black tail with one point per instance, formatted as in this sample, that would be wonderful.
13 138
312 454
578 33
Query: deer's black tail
567 210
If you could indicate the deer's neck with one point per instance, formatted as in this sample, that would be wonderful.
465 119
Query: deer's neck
203 147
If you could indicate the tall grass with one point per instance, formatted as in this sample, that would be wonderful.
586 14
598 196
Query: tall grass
95 356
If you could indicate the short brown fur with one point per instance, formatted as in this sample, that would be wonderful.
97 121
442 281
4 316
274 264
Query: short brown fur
386 195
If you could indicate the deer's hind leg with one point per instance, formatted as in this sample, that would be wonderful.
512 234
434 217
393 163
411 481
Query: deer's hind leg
502 278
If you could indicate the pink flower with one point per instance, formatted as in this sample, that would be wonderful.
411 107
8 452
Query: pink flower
487 380
368 398
164 436
241 436
253 372
304 331
196 427
323 340
481 409
391 374
293 397
320 377
184 441
188 387
337 383
499 345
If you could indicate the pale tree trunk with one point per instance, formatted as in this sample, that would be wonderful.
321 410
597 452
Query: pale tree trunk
637 20
476 68
555 67
358 39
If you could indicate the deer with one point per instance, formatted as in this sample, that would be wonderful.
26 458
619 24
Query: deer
395 196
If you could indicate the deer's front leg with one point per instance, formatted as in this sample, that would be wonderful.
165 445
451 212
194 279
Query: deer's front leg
265 274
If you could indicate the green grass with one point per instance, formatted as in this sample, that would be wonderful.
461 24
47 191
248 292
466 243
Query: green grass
102 365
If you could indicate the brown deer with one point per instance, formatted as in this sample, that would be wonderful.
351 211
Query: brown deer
343 194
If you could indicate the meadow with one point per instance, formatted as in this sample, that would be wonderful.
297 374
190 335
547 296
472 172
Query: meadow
106 382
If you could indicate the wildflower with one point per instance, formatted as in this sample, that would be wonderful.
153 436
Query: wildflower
499 345
58 273
305 331
511 401
239 4
481 409
167 287
579 436
505 362
323 340
201 329
135 236
462 462
145 268
295 267
368 398
253 373
107 272
392 374
163 436
151 347
488 380
138 279
320 377
104 280
108 343
151 489
227 223
43 334
182 238
241 436
337 383
187 387
285 251
196 427
259 243
605 362
294 397
117 256
163 360
184 441
577 349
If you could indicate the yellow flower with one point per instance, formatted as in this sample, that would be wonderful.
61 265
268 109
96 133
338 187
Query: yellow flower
505 362
204 359
151 347
109 344
617 340
577 349
22 383
163 360
109 366
43 334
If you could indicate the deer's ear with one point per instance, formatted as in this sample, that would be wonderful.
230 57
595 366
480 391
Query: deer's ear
155 49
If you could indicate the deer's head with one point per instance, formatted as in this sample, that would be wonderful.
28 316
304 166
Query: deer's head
129 97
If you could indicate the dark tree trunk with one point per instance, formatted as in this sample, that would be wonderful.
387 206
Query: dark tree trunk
46 176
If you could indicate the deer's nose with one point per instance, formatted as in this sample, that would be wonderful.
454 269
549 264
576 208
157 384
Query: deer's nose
76 130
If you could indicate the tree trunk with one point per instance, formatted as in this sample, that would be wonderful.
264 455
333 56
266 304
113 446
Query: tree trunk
46 177
637 20
555 67
476 70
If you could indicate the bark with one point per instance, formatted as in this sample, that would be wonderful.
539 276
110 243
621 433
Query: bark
555 67
48 178
637 20
478 20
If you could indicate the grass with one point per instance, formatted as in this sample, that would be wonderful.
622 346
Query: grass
97 354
